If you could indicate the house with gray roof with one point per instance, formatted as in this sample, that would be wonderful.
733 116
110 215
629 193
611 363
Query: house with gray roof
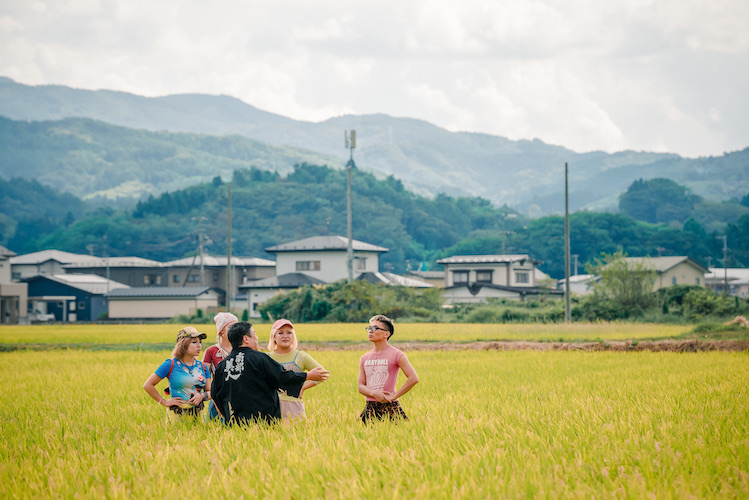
133 271
160 302
13 296
669 271
210 271
735 280
477 278
43 262
326 257
259 291
70 297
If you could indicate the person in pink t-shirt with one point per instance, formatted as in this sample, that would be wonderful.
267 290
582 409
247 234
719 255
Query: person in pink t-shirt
378 373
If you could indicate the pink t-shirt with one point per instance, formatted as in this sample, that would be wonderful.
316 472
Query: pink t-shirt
381 369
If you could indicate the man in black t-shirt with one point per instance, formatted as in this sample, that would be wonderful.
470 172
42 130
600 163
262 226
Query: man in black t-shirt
246 383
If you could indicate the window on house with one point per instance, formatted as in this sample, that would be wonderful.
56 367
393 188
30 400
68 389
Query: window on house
484 276
361 263
175 278
521 278
81 305
308 265
193 278
673 280
152 279
460 276
696 281
215 277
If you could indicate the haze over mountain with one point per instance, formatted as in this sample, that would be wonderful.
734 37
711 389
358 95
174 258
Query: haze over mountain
526 174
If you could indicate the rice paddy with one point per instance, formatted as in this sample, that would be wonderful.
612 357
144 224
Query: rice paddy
483 424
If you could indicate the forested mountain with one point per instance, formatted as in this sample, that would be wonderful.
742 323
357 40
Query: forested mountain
527 175
269 209
94 159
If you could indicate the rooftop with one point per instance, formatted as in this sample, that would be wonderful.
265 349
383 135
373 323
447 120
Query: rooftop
160 291
324 243
90 283
484 259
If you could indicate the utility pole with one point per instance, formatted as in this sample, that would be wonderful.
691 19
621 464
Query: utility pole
350 143
200 247
575 256
725 263
228 249
567 307
106 258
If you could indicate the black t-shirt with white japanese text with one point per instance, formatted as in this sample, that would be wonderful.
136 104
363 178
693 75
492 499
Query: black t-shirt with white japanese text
245 386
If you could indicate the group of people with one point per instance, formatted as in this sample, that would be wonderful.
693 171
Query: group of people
237 383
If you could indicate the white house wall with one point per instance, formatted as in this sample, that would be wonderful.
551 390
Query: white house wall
501 274
461 295
333 264
149 308
257 297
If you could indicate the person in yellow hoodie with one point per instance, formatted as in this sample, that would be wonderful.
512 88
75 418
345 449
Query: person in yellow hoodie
282 348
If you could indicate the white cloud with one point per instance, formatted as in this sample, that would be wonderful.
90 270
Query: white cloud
648 74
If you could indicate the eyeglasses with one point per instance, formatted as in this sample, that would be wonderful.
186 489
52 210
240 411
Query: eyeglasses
374 329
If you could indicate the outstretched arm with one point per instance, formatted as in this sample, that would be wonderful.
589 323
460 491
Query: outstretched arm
411 378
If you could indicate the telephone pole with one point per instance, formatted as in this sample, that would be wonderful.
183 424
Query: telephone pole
567 307
228 249
350 142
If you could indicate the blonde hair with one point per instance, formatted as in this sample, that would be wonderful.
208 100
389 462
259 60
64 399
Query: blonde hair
272 341
181 348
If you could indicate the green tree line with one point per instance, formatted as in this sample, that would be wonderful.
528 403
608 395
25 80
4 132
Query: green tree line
269 209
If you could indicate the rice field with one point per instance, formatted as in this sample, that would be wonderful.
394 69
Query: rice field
347 332
483 424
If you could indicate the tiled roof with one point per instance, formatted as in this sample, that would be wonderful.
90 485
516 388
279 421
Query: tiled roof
324 243
290 280
220 261
114 262
663 264
483 259
47 255
160 291
90 283
394 279
6 253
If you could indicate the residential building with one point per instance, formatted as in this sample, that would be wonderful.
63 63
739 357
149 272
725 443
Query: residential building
436 278
580 284
13 296
394 280
325 257
160 302
259 291
476 278
43 262
132 271
190 272
70 297
736 279
671 271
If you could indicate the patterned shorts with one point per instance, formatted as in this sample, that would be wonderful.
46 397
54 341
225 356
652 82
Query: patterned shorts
375 409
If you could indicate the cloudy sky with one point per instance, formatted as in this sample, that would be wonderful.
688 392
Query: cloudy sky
652 75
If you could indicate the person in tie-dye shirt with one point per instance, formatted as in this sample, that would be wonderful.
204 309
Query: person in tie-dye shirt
189 378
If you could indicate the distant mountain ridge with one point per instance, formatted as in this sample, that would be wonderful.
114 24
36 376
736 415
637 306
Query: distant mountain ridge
528 175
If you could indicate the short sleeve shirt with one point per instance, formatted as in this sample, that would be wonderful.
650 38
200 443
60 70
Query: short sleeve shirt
381 369
185 381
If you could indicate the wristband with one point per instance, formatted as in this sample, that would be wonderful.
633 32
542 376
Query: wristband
162 399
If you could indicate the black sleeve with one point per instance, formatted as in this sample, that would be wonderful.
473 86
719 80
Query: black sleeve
216 390
278 378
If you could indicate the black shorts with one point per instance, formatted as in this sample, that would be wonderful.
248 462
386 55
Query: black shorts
375 409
